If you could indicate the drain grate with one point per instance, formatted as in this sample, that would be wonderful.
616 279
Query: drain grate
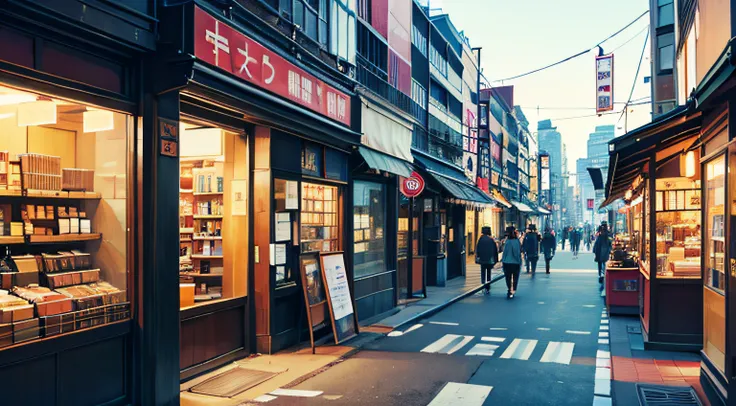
656 395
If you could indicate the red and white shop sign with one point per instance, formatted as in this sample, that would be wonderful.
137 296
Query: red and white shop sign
219 44
412 186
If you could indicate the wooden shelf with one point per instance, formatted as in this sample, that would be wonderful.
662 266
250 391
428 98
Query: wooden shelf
51 194
207 216
8 239
185 240
187 191
205 256
50 239
186 231
207 238
208 193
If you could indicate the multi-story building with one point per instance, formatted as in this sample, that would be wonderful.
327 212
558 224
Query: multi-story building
550 141
597 157
664 71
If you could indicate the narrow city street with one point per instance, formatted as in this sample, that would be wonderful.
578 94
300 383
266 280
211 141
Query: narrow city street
536 349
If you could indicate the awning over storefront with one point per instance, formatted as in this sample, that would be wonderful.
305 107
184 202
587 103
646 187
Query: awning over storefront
453 181
544 211
384 162
632 151
596 175
714 80
522 207
500 198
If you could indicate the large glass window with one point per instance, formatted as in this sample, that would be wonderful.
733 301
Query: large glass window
665 13
666 52
64 232
678 227
369 227
715 243
213 221
320 220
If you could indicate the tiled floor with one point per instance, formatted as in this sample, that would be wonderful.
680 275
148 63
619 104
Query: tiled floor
631 366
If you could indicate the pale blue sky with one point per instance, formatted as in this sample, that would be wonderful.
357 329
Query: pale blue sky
521 35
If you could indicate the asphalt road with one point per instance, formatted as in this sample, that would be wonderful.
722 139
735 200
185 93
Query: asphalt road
536 349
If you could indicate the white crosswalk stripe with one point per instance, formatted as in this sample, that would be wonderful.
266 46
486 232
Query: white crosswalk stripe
486 350
558 353
448 344
519 349
493 339
461 394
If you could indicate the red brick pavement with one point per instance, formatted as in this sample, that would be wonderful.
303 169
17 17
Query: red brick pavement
661 372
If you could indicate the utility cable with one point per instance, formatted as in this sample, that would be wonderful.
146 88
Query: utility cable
578 54
601 114
636 77
630 39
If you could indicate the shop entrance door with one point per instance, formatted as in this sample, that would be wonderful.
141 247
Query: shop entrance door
456 243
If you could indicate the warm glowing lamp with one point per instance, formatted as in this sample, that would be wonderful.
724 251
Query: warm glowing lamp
98 120
628 195
690 164
38 112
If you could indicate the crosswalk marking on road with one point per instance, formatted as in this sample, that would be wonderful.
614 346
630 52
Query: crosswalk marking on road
603 354
448 344
486 350
519 349
296 393
444 323
498 329
604 321
603 334
493 339
582 333
543 328
558 353
461 394
604 327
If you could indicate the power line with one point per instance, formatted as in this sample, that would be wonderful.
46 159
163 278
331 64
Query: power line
636 77
601 114
579 53
575 108
630 39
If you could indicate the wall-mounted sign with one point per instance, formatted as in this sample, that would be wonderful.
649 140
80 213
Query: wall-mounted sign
591 204
412 186
169 148
220 44
168 129
604 83
545 181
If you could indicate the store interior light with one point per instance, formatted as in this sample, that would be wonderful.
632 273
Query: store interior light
15 98
98 120
38 112
628 195
690 164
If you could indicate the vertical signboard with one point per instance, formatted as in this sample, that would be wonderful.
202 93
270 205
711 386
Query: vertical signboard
604 83
545 175
470 145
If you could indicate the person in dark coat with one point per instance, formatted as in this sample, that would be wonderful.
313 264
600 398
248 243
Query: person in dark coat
602 250
565 236
511 260
486 254
530 248
549 246
575 236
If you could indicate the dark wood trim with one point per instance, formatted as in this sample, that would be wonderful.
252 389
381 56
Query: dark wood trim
209 308
55 344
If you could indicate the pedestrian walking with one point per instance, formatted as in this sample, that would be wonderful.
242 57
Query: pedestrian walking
588 232
602 250
530 248
575 236
511 261
565 236
549 245
486 254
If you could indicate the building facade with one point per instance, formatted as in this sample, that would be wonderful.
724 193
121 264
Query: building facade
597 157
550 141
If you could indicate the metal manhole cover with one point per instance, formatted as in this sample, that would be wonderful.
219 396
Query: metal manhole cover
667 395
633 329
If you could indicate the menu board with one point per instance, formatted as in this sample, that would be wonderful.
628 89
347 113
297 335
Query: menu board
314 293
338 296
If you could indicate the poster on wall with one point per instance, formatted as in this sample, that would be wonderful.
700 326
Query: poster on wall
604 83
545 181
292 195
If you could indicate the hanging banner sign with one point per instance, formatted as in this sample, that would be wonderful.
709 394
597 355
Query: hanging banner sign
604 83
412 186
222 45
591 204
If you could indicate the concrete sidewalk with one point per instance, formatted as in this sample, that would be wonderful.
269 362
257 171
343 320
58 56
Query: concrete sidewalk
632 365
440 297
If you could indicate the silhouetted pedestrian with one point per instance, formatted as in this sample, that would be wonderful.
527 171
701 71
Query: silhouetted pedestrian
511 260
486 254
549 246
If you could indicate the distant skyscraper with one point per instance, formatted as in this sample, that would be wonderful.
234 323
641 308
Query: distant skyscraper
550 141
597 158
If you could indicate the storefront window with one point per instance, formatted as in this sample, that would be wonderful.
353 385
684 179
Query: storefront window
212 215
646 212
369 225
715 222
64 187
320 222
678 228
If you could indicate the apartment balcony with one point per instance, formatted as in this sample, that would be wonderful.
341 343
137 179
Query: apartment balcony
437 147
376 80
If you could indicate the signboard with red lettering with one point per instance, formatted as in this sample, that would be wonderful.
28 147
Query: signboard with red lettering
591 204
221 45
412 186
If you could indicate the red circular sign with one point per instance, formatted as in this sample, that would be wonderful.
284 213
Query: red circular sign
412 186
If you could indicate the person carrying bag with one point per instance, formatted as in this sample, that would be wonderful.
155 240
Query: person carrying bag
486 255
511 260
